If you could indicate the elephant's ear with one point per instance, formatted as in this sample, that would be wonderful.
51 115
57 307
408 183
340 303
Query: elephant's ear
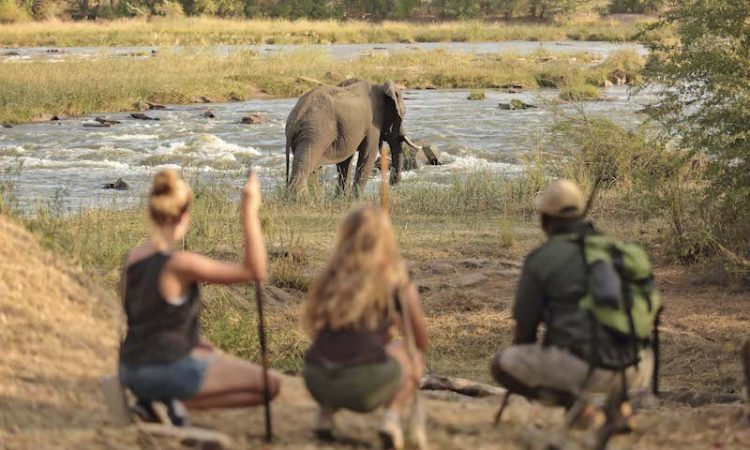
391 91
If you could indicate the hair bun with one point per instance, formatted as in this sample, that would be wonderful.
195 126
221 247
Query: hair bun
164 183
170 197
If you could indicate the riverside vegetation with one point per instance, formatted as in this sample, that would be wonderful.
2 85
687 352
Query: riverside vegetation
77 87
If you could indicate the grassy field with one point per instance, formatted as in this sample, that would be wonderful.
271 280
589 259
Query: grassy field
207 31
77 87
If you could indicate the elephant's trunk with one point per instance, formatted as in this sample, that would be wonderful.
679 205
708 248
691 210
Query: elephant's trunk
396 150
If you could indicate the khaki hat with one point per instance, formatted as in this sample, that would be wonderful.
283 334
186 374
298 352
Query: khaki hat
561 198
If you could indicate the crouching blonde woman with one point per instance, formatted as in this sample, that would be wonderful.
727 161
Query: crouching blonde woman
353 312
163 356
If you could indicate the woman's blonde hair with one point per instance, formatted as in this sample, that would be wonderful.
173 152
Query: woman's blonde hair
170 197
357 286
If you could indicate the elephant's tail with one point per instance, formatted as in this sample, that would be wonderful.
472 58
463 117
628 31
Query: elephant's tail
288 149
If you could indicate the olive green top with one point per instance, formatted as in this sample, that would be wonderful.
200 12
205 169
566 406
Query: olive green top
553 281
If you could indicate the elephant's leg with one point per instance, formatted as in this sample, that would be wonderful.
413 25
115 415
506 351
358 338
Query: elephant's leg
368 152
343 170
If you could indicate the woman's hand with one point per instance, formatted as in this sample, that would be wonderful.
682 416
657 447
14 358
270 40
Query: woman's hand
251 197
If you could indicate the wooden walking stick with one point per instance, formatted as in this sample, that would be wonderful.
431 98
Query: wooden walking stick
264 359
411 346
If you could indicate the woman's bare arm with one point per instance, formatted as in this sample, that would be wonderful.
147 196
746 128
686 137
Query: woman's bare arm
418 320
189 267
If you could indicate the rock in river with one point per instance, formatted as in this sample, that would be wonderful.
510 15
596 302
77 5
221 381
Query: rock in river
152 105
141 116
119 185
105 121
255 119
514 105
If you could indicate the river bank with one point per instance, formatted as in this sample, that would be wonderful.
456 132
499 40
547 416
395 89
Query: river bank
211 31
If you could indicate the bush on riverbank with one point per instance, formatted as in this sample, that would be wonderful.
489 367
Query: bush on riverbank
109 84
12 13
580 93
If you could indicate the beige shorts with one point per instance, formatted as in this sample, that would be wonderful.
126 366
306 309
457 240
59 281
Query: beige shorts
555 368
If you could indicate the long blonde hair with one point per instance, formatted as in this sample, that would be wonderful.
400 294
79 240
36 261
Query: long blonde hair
357 286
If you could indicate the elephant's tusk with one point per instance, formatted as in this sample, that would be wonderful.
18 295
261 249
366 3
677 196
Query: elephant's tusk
411 144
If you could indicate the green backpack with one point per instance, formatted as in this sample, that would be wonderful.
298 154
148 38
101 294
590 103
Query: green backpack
622 295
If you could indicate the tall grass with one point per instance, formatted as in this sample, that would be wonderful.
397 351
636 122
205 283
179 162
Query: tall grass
77 87
206 30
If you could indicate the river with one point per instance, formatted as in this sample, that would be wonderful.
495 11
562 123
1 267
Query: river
66 163
337 51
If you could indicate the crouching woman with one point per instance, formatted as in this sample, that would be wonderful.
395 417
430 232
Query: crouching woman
354 310
163 356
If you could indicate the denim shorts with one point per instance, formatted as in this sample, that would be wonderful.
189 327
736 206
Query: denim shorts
180 380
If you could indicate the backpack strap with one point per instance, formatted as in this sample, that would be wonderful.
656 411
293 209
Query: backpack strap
627 297
594 351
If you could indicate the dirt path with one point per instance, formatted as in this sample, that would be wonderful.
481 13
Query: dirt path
59 335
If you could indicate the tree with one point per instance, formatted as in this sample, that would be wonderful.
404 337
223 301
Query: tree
543 9
461 9
635 6
705 105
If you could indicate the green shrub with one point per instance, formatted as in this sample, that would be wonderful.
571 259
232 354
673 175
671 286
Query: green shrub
476 94
170 9
626 62
637 177
580 92
12 12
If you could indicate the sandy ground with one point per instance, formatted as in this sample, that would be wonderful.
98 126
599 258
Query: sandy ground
59 335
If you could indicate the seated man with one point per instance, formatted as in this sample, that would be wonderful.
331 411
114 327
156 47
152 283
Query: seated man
578 355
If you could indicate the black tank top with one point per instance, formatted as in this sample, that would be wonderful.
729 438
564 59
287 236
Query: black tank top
159 332
351 346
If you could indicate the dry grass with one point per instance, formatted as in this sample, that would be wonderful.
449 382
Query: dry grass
207 31
58 335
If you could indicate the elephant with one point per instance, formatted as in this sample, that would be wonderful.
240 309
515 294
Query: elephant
330 123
